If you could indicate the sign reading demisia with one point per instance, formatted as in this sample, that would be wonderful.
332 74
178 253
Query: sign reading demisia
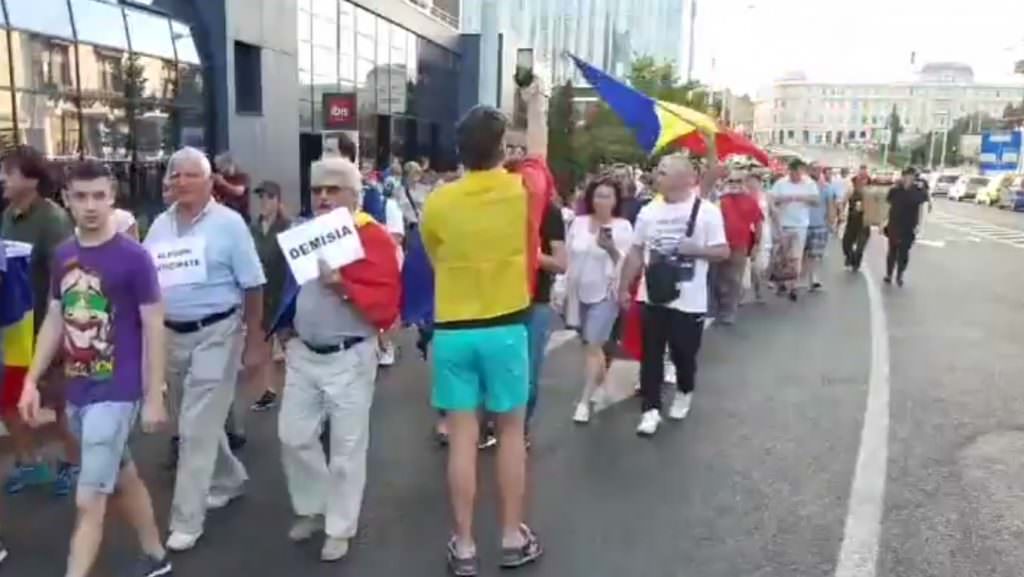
331 237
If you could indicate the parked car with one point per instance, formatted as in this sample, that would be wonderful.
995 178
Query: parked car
885 177
1012 196
967 187
988 195
943 183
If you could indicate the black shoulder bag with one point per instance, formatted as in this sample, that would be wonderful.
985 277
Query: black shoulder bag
665 272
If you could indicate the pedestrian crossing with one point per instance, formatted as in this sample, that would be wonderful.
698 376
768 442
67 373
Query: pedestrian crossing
979 229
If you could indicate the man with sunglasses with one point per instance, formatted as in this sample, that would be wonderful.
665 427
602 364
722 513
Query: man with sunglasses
330 327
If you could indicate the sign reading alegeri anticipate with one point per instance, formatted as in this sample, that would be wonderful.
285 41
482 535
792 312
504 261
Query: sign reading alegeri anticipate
180 262
331 236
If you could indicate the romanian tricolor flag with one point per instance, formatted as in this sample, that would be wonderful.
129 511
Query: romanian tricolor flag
658 124
16 318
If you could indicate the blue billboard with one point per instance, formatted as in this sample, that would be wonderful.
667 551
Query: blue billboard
1000 152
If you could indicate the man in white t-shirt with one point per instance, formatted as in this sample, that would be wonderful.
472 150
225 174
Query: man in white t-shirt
792 198
687 233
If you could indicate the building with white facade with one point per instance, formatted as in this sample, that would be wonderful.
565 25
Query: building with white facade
795 110
606 33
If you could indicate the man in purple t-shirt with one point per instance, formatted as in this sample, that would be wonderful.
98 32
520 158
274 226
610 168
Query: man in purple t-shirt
105 313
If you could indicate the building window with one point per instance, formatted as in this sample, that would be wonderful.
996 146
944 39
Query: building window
248 79
49 17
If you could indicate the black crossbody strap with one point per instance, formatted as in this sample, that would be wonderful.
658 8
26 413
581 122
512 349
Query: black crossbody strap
692 223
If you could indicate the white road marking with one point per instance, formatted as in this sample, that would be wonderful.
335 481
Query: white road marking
858 556
932 243
979 230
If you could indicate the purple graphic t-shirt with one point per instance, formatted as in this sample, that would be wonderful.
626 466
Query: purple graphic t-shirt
100 289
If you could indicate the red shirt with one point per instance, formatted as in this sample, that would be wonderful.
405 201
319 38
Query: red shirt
239 203
741 214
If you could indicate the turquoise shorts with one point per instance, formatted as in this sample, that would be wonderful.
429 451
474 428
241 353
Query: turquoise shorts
487 366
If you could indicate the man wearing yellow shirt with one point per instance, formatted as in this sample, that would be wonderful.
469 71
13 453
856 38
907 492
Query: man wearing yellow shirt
480 235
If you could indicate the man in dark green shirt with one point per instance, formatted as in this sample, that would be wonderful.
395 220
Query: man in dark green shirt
40 222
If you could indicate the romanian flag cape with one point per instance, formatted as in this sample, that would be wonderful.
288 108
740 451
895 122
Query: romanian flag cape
16 318
372 284
658 124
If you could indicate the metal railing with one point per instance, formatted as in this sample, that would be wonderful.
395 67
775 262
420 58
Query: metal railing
428 7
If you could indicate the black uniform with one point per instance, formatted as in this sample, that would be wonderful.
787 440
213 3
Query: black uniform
904 216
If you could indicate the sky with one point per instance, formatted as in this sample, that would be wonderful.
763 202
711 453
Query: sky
745 44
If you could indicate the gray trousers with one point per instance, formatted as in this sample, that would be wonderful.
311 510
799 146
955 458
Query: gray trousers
729 283
202 370
338 388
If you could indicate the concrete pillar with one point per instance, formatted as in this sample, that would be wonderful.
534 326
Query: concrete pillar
488 93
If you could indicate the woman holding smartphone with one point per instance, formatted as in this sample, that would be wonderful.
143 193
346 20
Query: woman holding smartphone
598 241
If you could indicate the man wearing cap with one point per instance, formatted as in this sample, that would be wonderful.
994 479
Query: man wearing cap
271 221
212 285
330 327
793 197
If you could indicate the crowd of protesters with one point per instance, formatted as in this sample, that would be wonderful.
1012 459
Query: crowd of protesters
637 263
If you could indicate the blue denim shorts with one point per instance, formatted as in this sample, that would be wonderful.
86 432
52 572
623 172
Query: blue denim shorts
103 430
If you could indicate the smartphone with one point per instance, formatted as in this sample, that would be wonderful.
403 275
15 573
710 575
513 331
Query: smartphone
606 233
524 67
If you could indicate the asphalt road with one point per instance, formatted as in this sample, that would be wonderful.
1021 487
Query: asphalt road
756 482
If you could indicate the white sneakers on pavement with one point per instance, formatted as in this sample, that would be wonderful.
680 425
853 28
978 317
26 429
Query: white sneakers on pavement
649 422
214 502
582 414
651 419
179 542
305 527
680 406
334 549
386 354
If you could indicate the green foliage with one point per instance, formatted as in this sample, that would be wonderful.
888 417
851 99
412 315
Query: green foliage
603 138
561 126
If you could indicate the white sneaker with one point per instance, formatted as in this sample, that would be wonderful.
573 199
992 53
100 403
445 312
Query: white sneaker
680 406
214 502
582 414
649 423
305 527
179 542
386 355
334 549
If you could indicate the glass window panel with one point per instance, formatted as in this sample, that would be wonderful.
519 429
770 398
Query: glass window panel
190 86
102 71
49 123
325 32
149 34
347 35
146 78
305 24
366 34
184 43
42 63
383 41
7 140
105 124
325 63
99 23
367 87
347 67
411 73
5 69
45 16
325 9
305 57
154 134
366 22
306 5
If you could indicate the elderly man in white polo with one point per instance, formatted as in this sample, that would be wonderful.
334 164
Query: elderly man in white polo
211 279
330 327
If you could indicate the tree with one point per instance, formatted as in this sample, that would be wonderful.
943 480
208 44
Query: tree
895 129
561 151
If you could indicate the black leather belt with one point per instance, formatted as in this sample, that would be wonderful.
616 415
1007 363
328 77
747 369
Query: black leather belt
187 327
345 345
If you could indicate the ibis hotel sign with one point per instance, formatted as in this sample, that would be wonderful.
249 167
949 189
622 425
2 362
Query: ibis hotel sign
339 110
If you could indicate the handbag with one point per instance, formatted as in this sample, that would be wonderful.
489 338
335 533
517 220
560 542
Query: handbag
665 272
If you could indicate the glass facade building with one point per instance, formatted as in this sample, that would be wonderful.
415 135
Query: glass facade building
405 84
94 79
